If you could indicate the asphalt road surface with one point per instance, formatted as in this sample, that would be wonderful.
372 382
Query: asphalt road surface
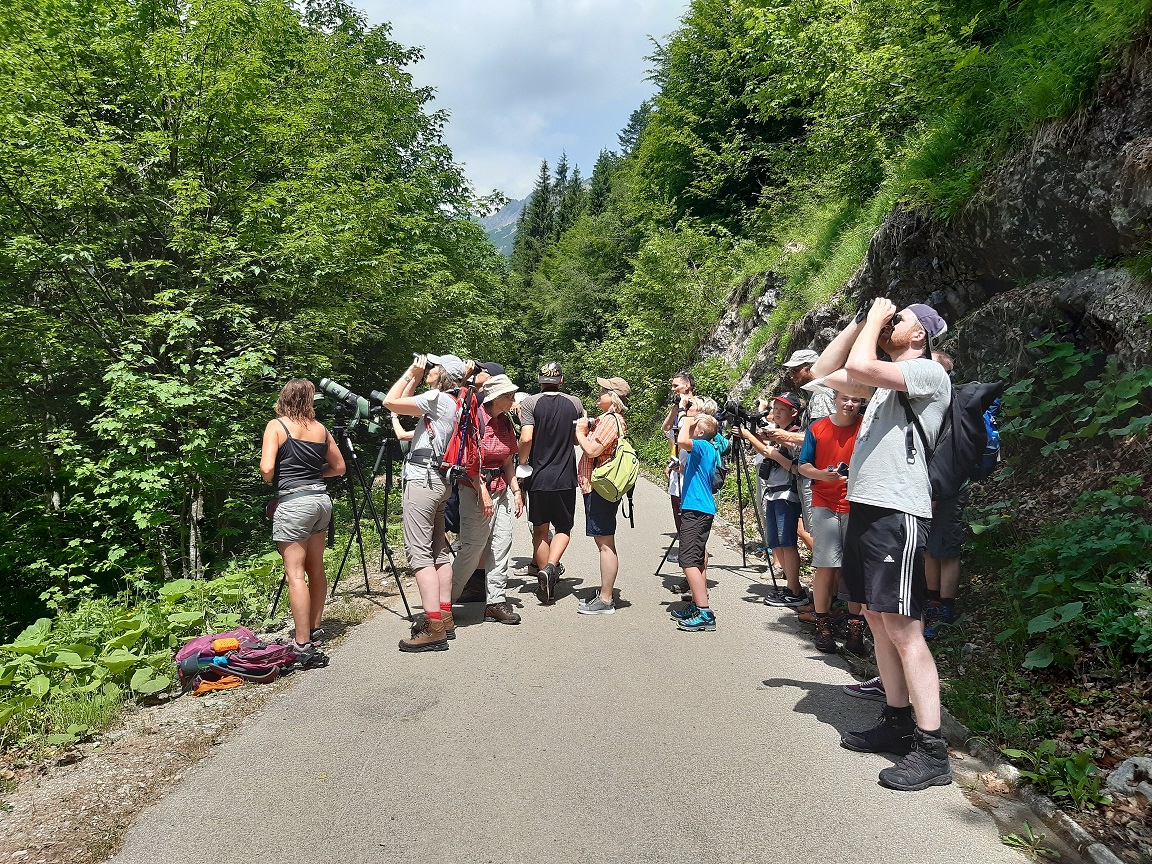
568 738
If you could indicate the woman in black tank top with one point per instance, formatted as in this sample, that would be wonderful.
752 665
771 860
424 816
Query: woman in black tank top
297 454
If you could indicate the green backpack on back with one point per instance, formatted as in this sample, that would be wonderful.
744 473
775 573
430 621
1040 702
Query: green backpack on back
616 477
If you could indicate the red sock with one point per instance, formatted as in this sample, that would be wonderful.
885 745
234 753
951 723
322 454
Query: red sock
435 616
445 607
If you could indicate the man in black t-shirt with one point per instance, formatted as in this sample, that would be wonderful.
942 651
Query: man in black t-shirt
547 442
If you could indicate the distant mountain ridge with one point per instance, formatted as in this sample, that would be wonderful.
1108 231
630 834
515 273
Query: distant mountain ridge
501 225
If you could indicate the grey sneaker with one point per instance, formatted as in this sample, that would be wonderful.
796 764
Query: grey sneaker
596 606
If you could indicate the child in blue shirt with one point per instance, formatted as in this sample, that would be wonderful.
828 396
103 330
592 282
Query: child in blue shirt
697 510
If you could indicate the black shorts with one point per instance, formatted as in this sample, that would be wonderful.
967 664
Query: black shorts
946 539
694 530
884 560
555 508
599 515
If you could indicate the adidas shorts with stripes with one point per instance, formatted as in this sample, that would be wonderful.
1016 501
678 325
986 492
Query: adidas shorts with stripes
884 560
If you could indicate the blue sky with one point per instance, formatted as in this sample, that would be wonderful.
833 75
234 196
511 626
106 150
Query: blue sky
525 80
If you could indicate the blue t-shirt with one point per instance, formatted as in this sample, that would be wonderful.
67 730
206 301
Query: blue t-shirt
696 490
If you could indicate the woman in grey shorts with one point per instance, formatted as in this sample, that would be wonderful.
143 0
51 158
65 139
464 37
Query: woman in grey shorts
297 454
426 493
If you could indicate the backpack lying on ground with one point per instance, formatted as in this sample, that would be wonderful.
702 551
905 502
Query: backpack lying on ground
962 450
238 652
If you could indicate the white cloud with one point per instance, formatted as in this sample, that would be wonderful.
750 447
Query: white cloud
525 80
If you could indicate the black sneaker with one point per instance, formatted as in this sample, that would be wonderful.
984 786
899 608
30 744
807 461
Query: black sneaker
786 598
308 656
893 734
927 765
548 578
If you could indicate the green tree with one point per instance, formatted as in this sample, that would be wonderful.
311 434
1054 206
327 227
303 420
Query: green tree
198 199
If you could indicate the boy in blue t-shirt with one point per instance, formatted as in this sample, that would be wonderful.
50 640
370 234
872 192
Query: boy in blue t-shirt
697 510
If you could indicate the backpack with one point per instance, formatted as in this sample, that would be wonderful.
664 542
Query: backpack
720 472
991 459
959 453
461 454
251 660
616 477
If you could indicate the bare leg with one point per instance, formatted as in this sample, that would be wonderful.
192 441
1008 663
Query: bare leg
921 681
444 581
294 555
609 566
824 588
540 545
428 584
888 662
949 577
317 580
931 572
789 558
803 534
557 546
698 584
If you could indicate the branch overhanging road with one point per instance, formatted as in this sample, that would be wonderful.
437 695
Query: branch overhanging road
568 738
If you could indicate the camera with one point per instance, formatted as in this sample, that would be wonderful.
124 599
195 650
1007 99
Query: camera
738 416
353 408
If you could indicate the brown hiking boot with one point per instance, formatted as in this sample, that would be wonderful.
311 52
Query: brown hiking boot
855 642
825 640
427 635
501 613
449 624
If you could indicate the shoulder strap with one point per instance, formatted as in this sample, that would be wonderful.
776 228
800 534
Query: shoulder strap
909 439
287 431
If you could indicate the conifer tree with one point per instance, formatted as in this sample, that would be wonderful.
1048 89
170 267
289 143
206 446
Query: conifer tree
601 183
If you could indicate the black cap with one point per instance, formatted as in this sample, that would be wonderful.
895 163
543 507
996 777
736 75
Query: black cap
493 368
789 399
550 373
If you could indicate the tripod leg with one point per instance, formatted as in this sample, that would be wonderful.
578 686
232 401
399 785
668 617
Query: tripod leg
740 501
760 525
667 552
276 598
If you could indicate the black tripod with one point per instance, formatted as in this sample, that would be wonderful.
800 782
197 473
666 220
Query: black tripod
744 476
353 477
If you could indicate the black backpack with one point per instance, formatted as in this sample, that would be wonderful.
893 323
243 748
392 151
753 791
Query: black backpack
959 452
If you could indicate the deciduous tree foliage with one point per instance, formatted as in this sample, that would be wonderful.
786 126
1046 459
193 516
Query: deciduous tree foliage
199 199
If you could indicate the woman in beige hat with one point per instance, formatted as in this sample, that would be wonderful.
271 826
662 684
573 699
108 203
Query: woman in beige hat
597 440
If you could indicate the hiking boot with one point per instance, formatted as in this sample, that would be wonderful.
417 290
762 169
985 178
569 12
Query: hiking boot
449 624
807 608
427 635
838 617
787 598
308 656
501 613
855 644
596 606
825 640
872 689
937 615
475 589
893 734
926 765
685 612
702 620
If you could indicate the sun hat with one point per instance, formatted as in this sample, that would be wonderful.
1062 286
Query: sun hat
803 357
617 385
496 386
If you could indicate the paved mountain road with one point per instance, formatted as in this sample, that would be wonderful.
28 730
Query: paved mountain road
566 739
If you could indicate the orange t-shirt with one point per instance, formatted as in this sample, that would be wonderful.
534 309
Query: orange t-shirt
834 444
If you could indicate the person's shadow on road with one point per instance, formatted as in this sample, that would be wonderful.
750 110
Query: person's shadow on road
829 704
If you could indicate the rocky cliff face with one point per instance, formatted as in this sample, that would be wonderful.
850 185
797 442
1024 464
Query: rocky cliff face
1035 251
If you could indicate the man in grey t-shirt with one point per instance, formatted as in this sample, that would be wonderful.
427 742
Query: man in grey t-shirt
891 499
